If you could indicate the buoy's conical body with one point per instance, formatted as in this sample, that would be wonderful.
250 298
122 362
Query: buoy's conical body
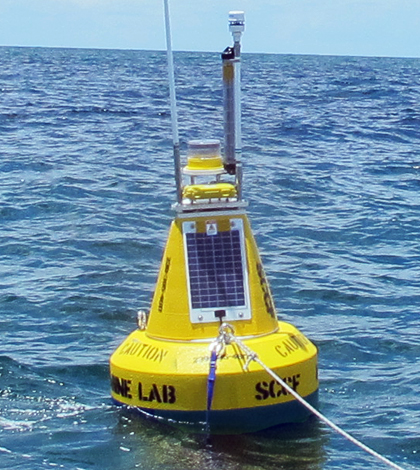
211 271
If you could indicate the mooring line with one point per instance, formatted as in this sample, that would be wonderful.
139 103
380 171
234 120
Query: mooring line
228 336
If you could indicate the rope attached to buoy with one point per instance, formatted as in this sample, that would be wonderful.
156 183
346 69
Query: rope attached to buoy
227 336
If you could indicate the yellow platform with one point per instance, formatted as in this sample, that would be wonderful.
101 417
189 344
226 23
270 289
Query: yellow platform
209 191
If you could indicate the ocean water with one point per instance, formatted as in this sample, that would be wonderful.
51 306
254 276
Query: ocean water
332 174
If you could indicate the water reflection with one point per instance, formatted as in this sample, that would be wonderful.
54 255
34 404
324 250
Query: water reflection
147 444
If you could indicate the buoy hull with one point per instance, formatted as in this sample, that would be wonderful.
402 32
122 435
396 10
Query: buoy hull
168 380
228 422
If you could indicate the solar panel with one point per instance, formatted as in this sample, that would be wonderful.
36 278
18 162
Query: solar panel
217 280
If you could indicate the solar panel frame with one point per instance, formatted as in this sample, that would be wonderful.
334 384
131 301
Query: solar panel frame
217 276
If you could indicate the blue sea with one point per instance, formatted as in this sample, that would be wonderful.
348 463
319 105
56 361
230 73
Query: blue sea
332 174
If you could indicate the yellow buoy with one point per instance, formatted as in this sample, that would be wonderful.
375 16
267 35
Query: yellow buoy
211 272
180 365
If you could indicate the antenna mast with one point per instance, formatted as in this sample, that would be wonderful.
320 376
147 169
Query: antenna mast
174 113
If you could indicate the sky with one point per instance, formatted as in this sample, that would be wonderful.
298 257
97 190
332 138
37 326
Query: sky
327 27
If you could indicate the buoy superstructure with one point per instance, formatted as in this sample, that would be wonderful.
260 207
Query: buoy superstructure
179 364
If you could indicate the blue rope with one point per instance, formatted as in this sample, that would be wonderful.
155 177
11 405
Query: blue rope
210 385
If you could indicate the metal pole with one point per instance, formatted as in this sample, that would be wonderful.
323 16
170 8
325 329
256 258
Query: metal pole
231 57
174 113
229 157
237 27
